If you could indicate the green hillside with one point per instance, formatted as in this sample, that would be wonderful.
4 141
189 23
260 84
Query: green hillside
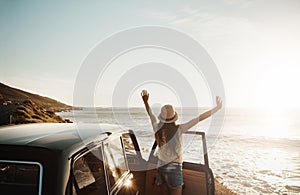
16 96
18 106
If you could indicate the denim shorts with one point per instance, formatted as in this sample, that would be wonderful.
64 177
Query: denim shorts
172 174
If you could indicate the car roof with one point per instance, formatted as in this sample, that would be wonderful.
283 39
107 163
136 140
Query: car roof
55 136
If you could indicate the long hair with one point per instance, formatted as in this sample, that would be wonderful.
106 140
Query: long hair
165 133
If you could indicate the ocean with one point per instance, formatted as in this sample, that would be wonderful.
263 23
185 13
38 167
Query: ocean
253 152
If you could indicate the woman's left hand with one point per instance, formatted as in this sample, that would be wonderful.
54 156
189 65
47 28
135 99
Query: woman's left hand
219 102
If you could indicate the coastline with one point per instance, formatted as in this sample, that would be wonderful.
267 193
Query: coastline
19 107
29 112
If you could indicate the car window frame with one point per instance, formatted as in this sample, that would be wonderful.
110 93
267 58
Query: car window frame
41 171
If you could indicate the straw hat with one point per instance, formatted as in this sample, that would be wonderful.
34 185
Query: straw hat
167 114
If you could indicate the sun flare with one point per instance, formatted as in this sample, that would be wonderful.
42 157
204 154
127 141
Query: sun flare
275 124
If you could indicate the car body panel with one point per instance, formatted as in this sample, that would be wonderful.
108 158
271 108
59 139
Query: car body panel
51 145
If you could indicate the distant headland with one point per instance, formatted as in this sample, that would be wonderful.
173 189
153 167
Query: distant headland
18 107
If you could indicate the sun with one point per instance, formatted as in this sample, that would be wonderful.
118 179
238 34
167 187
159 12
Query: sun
275 124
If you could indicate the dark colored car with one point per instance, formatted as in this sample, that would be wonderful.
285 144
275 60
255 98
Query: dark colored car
57 159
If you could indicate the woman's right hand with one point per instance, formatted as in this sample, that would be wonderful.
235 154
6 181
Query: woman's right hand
145 95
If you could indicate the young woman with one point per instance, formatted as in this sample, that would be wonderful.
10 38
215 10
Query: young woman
168 136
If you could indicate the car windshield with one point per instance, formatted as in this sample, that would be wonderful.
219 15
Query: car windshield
20 177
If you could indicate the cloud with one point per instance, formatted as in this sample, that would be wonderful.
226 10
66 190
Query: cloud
238 2
205 24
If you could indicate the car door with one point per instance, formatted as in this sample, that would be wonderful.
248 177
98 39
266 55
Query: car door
197 176
136 163
88 172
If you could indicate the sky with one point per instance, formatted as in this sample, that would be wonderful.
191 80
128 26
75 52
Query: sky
255 45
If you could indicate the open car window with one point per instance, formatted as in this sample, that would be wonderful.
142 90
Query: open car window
128 144
192 148
20 177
